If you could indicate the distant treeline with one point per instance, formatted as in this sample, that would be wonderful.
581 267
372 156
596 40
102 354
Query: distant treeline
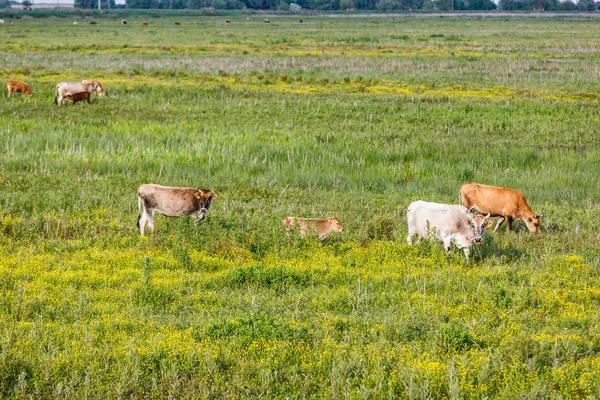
334 5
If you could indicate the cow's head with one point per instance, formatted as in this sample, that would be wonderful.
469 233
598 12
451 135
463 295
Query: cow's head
28 92
98 88
204 197
533 223
477 224
335 224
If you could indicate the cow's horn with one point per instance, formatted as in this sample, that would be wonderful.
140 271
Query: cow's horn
471 209
487 216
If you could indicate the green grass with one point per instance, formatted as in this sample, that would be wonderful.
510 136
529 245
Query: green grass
348 117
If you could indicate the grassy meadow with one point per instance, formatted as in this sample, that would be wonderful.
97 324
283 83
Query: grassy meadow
352 117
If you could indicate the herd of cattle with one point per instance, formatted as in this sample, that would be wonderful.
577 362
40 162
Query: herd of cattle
462 225
449 223
72 91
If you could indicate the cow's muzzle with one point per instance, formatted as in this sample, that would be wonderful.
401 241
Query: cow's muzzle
477 240
203 210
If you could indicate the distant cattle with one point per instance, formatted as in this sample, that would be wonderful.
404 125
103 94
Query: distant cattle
323 227
17 86
92 22
145 23
171 202
227 21
448 223
1 21
301 21
76 97
267 21
124 22
506 203
75 23
64 89
177 23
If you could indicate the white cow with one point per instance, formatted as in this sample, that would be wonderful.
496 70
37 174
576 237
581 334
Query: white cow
65 89
448 223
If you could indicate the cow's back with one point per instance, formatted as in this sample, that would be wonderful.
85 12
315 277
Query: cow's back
425 217
496 200
169 201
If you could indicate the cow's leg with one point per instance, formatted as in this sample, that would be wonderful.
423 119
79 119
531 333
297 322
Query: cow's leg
142 222
151 219
508 224
303 233
9 91
500 221
466 250
447 242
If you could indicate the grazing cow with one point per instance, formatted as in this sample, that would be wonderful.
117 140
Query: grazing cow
92 22
323 227
145 23
171 202
99 91
1 21
75 23
64 89
447 223
267 21
227 21
508 204
16 86
76 97
124 22
177 23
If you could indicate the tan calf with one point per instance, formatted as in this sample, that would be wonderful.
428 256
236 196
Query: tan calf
16 86
508 204
323 227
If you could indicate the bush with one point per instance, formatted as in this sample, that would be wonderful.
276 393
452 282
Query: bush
381 228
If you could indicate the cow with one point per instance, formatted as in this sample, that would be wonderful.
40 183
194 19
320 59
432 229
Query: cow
1 21
447 223
75 23
76 97
64 89
145 23
99 91
177 23
171 202
323 227
508 204
92 22
124 22
16 86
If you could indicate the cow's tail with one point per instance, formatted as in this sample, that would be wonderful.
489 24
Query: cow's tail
139 211
56 96
459 197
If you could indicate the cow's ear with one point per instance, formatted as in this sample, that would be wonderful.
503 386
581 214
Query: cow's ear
198 195
529 219
468 221
214 195
489 224
539 216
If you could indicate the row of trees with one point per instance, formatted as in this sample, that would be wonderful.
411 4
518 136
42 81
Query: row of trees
333 5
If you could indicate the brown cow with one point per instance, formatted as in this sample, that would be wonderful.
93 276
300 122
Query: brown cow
99 89
323 227
508 204
81 96
171 202
16 86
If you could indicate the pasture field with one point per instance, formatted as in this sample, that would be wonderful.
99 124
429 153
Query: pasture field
354 117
